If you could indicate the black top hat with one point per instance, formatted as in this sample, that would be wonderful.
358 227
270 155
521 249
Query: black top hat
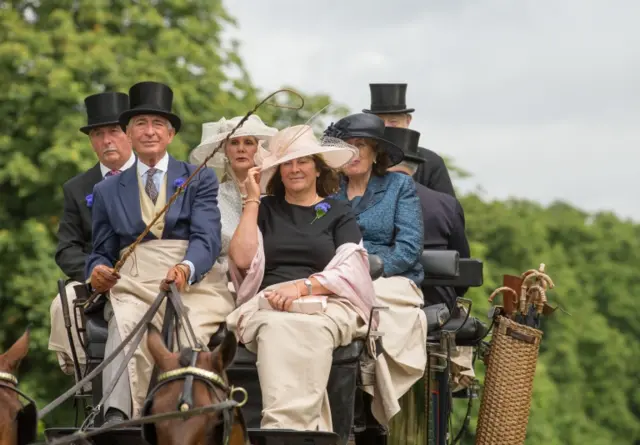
150 98
104 109
388 98
363 125
406 139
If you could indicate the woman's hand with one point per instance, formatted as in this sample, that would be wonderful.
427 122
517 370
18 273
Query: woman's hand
252 183
282 297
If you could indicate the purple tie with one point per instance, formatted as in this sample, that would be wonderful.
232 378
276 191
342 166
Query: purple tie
112 173
150 187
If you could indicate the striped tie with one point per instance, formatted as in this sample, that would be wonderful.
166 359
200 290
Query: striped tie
112 173
150 186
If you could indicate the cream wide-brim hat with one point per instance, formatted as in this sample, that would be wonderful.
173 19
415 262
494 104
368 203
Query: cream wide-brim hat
298 142
214 133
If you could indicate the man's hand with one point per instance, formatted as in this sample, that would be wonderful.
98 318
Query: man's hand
178 274
282 297
103 278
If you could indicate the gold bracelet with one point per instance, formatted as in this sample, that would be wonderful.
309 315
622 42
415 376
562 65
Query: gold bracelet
257 201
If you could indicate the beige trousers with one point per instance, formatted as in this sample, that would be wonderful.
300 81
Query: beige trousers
120 398
58 339
295 352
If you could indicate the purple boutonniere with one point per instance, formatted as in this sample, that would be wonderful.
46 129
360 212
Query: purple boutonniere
321 210
179 184
89 200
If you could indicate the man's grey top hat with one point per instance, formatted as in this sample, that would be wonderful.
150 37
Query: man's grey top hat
150 98
407 140
104 109
388 98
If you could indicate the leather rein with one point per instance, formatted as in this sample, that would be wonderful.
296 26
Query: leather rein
185 410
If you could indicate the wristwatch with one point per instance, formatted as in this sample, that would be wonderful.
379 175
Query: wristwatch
309 286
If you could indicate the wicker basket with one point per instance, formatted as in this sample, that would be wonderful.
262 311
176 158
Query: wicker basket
506 399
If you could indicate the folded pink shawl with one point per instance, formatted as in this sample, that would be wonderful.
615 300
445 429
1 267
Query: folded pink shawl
346 276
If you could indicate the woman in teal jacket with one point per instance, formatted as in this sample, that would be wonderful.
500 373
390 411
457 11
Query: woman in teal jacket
388 212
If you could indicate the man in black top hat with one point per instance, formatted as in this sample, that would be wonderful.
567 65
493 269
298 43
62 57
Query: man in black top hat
389 103
442 214
114 153
181 247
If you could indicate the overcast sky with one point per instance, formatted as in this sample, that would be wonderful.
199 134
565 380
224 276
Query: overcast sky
537 99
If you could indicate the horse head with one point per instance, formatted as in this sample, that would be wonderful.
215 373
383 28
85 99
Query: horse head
192 379
10 406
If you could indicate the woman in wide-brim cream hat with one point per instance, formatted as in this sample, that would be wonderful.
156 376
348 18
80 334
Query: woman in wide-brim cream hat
295 243
234 160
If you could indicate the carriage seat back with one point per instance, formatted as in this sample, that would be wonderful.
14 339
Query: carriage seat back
446 268
95 326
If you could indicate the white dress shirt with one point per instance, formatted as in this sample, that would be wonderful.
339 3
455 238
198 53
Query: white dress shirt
104 169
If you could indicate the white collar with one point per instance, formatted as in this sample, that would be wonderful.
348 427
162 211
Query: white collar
162 165
104 169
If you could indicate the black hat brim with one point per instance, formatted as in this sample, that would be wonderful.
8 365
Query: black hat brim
414 158
126 116
391 111
87 128
395 153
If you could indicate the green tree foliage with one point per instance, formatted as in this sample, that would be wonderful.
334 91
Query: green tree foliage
53 53
588 373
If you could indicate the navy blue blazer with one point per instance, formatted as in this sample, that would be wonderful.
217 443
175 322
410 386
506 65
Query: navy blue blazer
444 229
390 219
193 216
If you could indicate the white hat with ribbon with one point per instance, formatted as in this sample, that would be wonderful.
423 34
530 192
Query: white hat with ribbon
298 142
214 133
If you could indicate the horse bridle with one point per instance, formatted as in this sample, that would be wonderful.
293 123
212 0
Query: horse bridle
27 417
189 374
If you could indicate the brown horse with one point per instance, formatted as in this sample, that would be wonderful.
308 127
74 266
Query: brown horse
205 429
10 405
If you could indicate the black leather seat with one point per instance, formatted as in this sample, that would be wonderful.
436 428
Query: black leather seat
341 387
446 268
469 331
96 334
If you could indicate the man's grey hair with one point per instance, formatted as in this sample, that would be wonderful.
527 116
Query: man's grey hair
169 125
409 165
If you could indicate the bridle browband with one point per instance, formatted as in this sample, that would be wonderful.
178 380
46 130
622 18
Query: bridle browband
10 382
213 380
27 416
6 377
